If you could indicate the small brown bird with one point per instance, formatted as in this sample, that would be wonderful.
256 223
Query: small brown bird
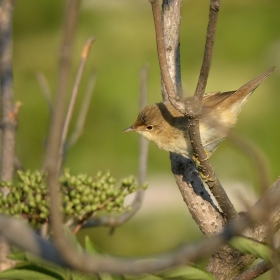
168 128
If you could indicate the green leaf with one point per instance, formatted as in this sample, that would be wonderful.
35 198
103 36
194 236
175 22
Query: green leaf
90 246
105 276
186 272
73 238
25 274
19 256
37 264
143 277
249 246
81 276
48 267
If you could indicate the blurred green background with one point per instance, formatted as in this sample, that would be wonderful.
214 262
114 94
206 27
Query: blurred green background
247 43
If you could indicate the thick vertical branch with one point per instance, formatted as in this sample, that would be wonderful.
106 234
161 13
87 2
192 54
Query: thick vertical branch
9 111
169 85
171 19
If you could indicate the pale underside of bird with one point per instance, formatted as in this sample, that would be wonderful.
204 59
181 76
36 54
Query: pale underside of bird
168 128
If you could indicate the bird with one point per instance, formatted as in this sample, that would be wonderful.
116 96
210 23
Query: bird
168 128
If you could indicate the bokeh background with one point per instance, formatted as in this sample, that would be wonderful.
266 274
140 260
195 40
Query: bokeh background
247 43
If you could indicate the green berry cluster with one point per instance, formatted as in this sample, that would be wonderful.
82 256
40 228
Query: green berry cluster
82 195
85 194
27 198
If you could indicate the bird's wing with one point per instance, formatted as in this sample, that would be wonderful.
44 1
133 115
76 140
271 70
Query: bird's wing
213 100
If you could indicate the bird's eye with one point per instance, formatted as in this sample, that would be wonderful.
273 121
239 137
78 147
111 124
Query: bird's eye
149 127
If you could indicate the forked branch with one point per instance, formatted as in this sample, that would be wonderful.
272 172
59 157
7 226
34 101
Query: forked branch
193 107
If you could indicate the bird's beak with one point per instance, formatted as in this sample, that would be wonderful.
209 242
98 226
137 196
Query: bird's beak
129 129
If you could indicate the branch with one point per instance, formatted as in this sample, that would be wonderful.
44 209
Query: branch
225 265
65 57
169 85
54 140
198 200
187 179
112 221
194 108
171 29
179 163
208 51
23 237
74 94
83 113
9 110
255 271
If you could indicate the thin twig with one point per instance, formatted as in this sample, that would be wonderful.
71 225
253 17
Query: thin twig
115 221
45 87
208 51
74 94
54 140
83 113
144 144
65 59
44 230
256 156
255 271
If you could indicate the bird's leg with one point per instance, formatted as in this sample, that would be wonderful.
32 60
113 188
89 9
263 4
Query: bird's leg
199 167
